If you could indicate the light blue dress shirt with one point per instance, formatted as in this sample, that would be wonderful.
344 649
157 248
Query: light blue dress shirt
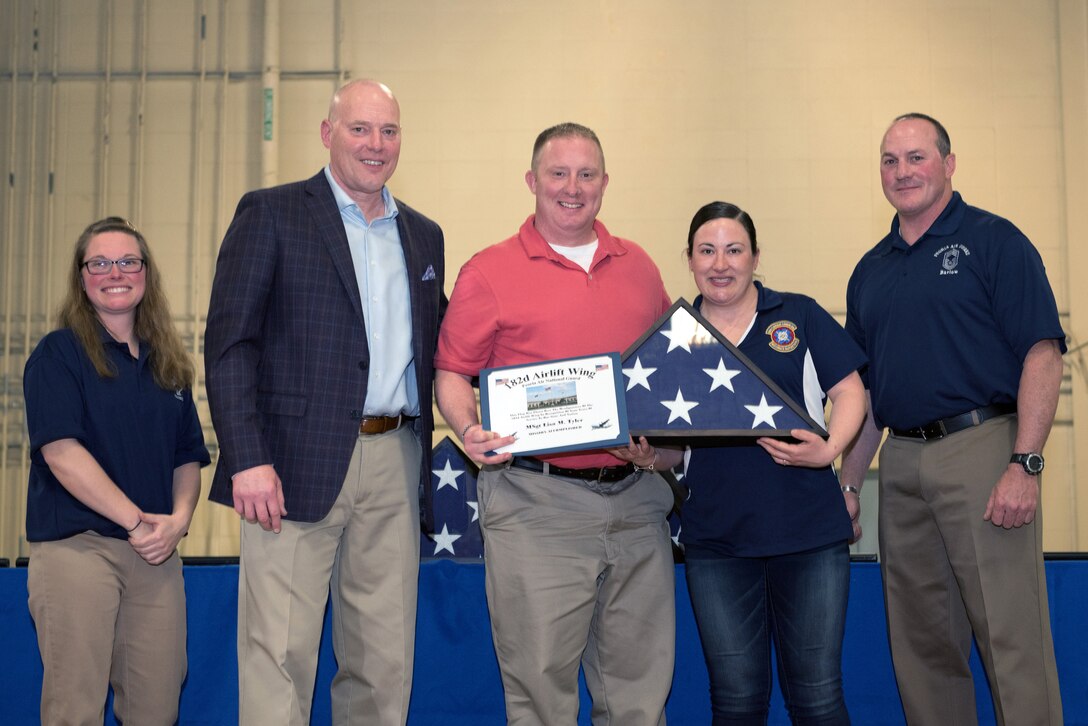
382 275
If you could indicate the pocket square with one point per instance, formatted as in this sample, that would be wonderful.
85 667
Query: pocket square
429 273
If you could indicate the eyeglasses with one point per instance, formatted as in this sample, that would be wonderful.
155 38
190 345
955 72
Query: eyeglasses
100 266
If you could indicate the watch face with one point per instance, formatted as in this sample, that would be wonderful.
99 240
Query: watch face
1032 463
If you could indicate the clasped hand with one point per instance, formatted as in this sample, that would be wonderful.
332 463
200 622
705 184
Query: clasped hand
156 536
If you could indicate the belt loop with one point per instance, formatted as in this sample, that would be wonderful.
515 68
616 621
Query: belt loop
547 468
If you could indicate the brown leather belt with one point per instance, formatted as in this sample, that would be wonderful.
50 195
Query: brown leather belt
380 424
945 426
602 473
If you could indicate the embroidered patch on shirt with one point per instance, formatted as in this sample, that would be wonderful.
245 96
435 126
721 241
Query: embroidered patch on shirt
783 335
949 256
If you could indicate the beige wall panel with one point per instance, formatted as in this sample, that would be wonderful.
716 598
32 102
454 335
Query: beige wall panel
308 40
777 106
173 39
235 27
1060 520
168 175
1028 156
241 150
80 33
976 162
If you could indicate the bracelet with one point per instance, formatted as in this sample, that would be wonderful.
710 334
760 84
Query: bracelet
465 431
138 523
848 488
646 468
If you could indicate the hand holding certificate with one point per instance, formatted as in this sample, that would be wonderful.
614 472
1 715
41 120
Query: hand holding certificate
560 405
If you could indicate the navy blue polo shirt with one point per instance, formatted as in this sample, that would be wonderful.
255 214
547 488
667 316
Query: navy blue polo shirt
743 504
138 433
946 322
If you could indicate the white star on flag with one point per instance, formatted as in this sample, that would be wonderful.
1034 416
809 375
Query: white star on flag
763 412
678 337
444 540
639 376
721 376
678 408
447 477
475 507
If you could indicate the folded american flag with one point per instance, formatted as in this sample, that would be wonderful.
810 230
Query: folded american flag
685 379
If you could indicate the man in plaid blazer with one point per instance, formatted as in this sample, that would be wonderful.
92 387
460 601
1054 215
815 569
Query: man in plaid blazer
321 333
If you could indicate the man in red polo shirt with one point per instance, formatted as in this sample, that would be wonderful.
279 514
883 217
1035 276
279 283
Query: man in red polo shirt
579 562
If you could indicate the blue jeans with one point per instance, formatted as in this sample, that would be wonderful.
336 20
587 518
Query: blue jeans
800 599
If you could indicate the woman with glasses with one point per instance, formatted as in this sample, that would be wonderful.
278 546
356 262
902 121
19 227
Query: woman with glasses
116 452
766 526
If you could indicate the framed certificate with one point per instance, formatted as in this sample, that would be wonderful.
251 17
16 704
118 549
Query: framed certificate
559 405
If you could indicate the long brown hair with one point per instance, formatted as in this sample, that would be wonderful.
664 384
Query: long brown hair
170 362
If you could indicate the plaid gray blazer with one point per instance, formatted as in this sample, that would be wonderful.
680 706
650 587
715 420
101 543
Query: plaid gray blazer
285 349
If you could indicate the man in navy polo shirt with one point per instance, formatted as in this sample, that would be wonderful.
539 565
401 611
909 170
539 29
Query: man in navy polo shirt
955 313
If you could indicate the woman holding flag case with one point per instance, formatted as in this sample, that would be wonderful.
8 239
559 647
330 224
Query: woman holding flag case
766 527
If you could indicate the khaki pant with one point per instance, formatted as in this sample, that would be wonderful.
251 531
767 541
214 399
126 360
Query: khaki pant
948 573
106 617
575 577
367 548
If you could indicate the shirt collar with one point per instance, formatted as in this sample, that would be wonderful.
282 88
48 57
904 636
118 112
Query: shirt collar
536 246
346 203
103 334
109 342
768 299
947 222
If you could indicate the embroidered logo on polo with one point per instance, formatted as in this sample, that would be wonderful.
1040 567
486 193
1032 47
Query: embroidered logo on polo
949 257
783 336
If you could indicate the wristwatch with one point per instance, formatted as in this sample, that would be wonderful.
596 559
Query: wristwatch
1032 462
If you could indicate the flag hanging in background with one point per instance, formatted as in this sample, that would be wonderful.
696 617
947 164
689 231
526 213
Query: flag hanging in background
456 513
456 509
683 378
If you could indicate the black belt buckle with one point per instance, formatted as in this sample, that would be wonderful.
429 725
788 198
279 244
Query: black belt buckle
953 424
615 473
933 431
597 474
